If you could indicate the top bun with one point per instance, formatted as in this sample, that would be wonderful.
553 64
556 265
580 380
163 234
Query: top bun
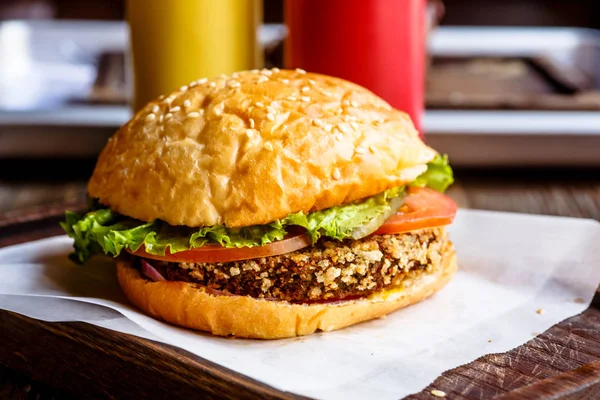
254 147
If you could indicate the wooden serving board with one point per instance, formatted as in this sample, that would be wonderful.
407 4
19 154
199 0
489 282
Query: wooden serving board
42 360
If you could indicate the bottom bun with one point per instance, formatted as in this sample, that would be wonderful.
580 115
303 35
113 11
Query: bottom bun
188 305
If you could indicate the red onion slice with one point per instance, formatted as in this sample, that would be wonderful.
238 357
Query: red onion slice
150 272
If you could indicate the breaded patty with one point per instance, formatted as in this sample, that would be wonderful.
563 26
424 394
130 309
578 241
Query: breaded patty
329 270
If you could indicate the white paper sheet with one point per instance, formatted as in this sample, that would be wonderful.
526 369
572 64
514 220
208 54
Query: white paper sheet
510 265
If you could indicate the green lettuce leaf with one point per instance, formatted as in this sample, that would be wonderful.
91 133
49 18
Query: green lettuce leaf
104 231
438 175
339 222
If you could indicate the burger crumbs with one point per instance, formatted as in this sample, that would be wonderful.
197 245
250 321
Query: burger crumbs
540 311
438 393
266 284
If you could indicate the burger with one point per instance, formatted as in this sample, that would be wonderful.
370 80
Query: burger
269 204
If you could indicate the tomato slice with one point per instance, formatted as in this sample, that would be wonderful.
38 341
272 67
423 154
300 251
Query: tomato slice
216 253
423 208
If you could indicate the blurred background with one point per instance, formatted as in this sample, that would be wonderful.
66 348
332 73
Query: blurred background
511 88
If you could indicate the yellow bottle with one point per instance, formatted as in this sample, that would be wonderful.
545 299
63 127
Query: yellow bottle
174 42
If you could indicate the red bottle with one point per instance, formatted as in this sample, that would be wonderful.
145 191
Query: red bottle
379 44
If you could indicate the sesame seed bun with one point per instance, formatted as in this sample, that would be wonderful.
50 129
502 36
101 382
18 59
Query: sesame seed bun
254 147
188 305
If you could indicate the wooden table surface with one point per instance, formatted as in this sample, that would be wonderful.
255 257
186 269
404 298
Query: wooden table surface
62 360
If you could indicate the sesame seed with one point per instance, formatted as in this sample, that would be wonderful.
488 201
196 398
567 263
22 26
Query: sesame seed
372 149
266 72
336 174
540 311
193 114
169 99
162 96
259 104
168 116
344 127
275 69
328 127
184 88
271 110
150 117
175 109
292 98
222 76
305 89
438 393
202 81
160 119
286 81
305 99
155 108
300 71
360 150
262 79
233 84
249 133
490 341
268 146
212 84
354 103
345 103
254 71
192 84
354 125
318 122
311 81
251 123
235 75
270 117
187 103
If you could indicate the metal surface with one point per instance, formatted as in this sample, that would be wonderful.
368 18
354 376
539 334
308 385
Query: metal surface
572 48
512 137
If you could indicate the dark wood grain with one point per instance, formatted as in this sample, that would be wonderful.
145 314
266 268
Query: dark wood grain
86 361
62 360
